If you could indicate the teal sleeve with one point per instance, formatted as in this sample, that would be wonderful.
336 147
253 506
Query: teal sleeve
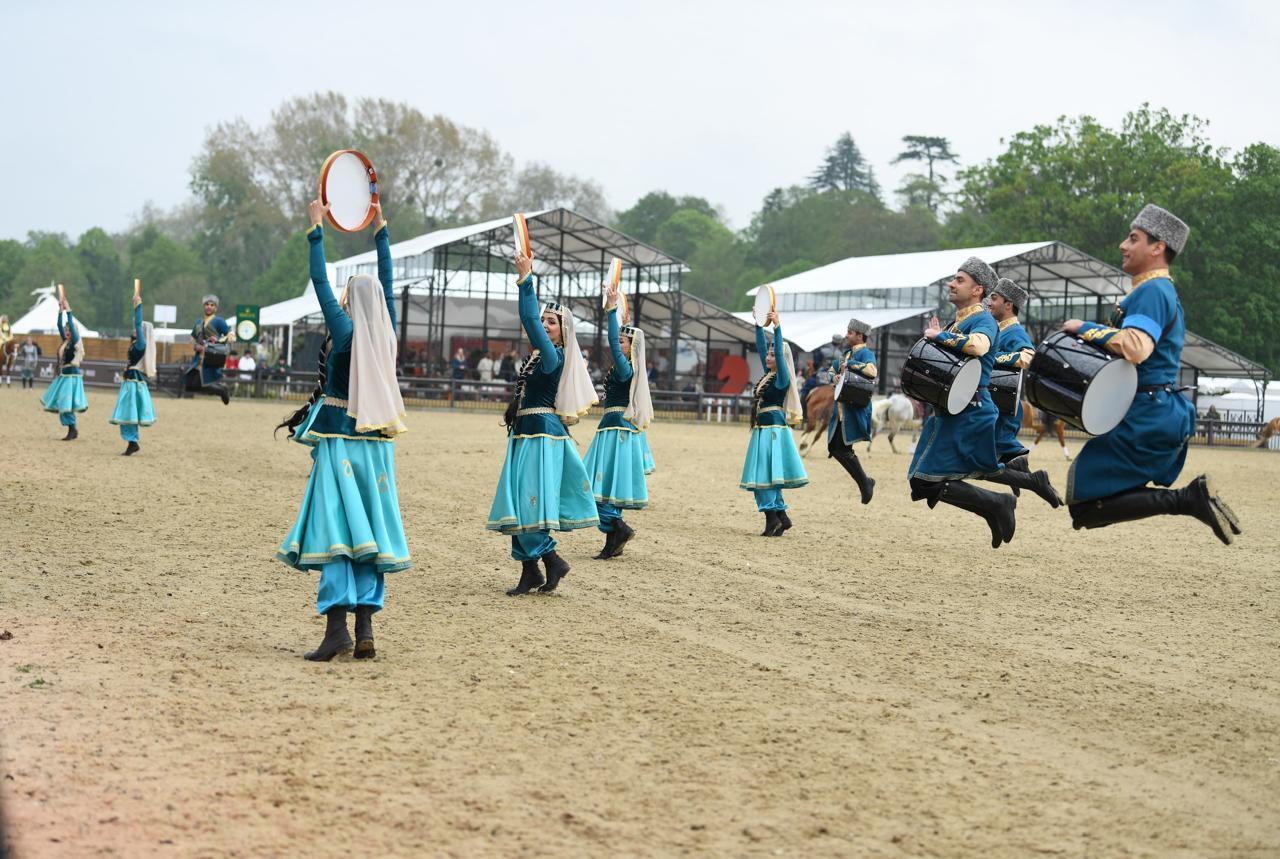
531 319
621 365
762 348
1092 332
137 327
335 317
951 340
783 379
386 275
62 332
71 328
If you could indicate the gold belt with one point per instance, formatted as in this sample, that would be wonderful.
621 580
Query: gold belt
769 409
615 409
334 401
540 410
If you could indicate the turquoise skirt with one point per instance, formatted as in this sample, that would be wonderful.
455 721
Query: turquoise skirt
1148 446
615 461
543 487
65 394
649 466
133 405
350 509
772 460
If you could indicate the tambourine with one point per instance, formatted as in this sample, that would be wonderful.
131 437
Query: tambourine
349 187
520 229
62 293
766 303
624 309
137 287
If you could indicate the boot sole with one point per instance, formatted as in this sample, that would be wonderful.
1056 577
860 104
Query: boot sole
1224 512
313 657
1220 525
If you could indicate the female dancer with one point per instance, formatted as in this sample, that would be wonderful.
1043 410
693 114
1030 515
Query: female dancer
133 405
543 485
773 463
349 526
66 394
616 458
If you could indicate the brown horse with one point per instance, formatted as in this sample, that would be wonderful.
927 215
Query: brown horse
818 407
1031 421
9 358
1265 434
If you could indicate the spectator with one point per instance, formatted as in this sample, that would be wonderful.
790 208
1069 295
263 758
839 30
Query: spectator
485 367
651 372
459 364
507 370
248 367
233 362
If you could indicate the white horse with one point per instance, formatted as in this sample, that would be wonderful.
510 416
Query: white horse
899 412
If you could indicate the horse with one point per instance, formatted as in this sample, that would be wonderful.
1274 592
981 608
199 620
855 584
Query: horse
1031 420
818 405
1265 434
8 359
899 411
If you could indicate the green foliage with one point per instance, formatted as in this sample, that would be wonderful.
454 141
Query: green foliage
109 291
651 211
171 273
845 169
12 256
686 230
928 189
49 258
287 276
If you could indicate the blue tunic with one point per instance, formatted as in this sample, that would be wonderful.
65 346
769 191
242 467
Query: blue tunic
1150 444
855 423
616 458
213 328
1008 348
953 447
772 460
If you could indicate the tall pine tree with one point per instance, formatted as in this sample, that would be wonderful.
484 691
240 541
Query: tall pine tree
845 169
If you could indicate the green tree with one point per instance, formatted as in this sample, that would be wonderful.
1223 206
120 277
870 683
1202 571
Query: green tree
12 255
651 211
845 169
104 277
682 233
49 259
287 276
171 273
927 189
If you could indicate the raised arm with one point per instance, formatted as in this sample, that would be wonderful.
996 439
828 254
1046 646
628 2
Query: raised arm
783 379
621 365
61 331
531 319
762 348
386 273
72 331
335 317
137 326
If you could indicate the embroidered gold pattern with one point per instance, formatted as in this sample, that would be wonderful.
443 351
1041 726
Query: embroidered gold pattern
1149 275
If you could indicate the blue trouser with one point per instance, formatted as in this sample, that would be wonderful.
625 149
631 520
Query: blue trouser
129 432
769 499
67 419
609 514
347 585
531 547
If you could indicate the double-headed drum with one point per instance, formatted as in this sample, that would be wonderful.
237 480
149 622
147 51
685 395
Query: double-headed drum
854 389
1006 390
946 380
1086 386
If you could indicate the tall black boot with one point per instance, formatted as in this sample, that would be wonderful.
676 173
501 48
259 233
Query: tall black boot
1196 499
772 525
849 460
223 393
1037 482
557 569
530 578
610 546
336 638
364 633
72 433
625 532
996 507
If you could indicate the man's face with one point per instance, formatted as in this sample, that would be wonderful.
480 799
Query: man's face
963 290
999 307
210 308
1140 253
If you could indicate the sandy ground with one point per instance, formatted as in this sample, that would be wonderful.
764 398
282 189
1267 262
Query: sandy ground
878 682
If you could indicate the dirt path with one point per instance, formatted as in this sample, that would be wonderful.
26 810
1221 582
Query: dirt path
878 682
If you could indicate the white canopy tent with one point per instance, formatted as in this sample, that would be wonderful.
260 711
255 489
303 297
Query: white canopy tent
42 318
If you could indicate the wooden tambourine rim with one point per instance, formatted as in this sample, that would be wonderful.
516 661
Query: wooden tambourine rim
525 239
773 304
372 176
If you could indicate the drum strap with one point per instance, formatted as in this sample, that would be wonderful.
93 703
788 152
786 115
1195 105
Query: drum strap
1173 389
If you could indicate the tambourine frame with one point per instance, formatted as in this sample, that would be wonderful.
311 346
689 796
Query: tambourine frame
520 229
773 305
372 175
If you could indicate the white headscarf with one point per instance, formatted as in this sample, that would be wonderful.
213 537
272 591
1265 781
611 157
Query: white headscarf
795 415
576 395
640 409
148 362
373 397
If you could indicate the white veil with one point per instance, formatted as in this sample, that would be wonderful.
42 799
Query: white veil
576 395
795 415
373 397
640 409
148 363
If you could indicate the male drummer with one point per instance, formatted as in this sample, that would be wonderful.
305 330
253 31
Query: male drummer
850 424
211 328
1108 481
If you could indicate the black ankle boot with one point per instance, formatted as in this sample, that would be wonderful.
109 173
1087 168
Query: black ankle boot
557 569
625 532
849 460
1196 499
530 578
224 394
772 524
1037 482
364 633
784 523
131 449
71 434
610 546
996 507
336 638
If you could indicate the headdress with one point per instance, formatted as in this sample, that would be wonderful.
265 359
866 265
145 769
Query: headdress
984 274
1007 289
640 408
373 397
1164 226
576 395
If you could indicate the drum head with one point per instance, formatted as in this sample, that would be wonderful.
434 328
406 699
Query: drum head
964 386
349 186
765 302
1108 397
839 387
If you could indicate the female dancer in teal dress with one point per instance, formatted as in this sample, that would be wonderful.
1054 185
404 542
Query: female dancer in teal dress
773 463
66 394
133 405
616 458
544 485
349 526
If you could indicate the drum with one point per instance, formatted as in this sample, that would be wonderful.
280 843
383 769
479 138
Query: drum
854 389
945 379
1006 390
215 356
1086 386
520 235
349 187
766 301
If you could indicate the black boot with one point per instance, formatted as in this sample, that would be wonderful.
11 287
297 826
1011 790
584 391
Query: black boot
772 524
784 521
364 633
72 433
223 393
1196 499
1019 463
530 578
625 532
131 449
336 638
610 546
1037 482
849 460
557 569
996 507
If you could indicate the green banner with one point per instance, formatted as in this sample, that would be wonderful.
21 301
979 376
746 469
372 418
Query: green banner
247 323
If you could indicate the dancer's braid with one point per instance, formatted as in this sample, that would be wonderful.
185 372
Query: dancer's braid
509 416
294 420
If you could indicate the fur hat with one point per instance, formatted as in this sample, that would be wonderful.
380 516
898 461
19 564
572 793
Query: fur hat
984 274
210 297
1164 226
1010 291
857 326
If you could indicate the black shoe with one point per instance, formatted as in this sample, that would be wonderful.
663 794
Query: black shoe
336 638
625 532
131 449
1019 463
530 578
225 395
364 633
610 546
1196 499
772 524
996 507
784 521
1038 482
557 569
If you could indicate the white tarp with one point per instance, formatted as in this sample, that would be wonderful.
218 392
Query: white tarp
42 318
810 329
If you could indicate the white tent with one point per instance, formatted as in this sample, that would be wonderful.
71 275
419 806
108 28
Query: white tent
42 318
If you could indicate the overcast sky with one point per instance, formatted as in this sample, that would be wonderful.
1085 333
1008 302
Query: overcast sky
105 104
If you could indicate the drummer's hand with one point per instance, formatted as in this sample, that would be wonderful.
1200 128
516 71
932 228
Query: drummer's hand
934 322
932 332
315 211
1025 360
1072 326
524 265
